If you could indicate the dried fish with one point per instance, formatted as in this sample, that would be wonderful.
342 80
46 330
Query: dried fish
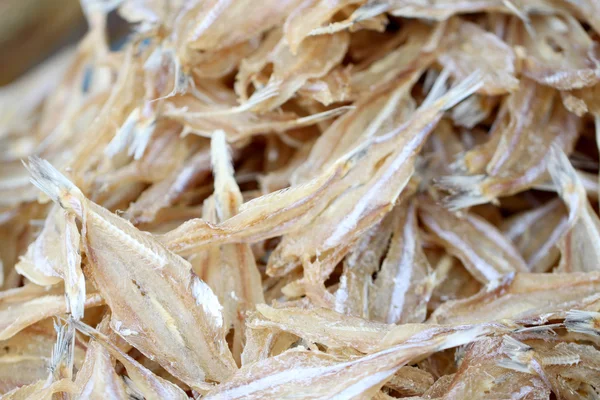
213 20
304 199
148 384
410 381
583 222
519 149
521 296
97 378
362 200
55 253
481 375
352 295
562 55
314 58
483 250
463 56
318 375
538 247
26 356
311 14
24 306
40 390
232 271
403 286
337 331
158 283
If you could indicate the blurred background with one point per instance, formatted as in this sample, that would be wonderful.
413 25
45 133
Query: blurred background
32 30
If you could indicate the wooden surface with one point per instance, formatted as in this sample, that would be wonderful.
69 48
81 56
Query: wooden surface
31 30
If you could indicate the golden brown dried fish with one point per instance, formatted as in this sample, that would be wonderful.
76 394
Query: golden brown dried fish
483 250
519 148
26 356
317 375
157 295
24 306
522 296
314 58
562 55
462 56
370 189
403 286
144 381
352 294
333 138
580 246
231 272
538 246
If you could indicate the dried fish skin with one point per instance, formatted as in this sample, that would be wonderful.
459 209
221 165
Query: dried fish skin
160 284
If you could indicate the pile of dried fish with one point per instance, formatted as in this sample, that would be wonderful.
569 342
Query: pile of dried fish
320 199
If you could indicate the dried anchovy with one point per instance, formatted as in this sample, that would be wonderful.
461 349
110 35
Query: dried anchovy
306 199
